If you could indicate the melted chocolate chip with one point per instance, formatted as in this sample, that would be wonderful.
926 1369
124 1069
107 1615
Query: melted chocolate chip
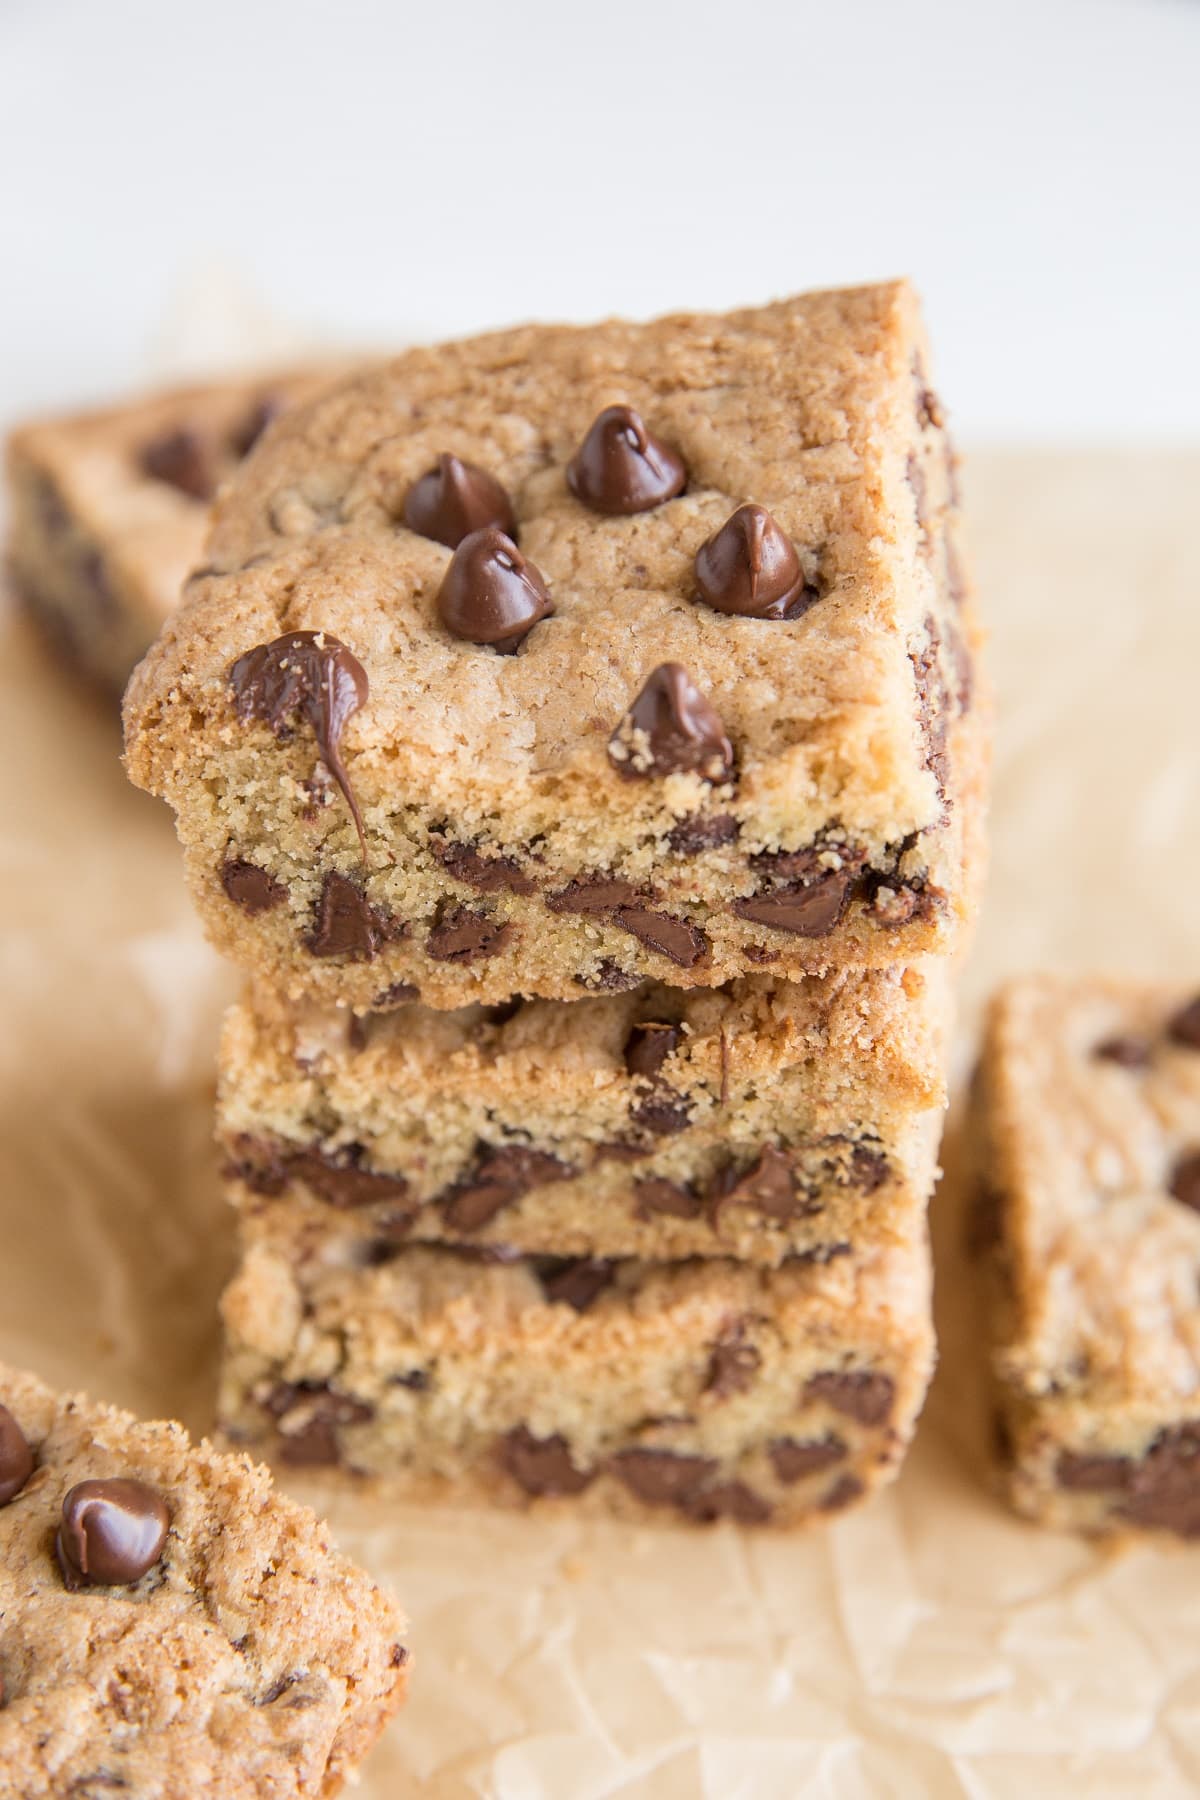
16 1457
677 939
732 1366
347 924
454 499
1184 1185
309 1414
183 459
462 936
662 1112
844 1492
749 568
576 1282
1126 1052
312 674
620 468
1184 1027
489 874
1086 1472
671 728
667 1199
793 1459
111 1533
607 977
648 1046
663 1477
702 831
491 594
810 909
594 896
501 1174
768 1186
541 1465
727 1500
337 1178
250 887
1164 1486
862 1394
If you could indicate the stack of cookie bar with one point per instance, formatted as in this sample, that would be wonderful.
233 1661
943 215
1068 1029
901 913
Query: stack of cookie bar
572 735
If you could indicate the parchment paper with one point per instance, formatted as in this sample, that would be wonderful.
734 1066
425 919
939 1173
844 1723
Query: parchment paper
928 1646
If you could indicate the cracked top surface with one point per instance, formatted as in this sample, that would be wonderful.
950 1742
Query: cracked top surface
251 1645
811 407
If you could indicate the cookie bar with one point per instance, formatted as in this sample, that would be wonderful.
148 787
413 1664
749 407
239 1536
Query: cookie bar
757 1120
562 659
1087 1137
109 510
170 1626
701 1390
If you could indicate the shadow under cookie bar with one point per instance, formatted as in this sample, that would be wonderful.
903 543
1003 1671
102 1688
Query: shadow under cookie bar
171 1624
646 786
694 1391
109 510
762 1120
1086 1230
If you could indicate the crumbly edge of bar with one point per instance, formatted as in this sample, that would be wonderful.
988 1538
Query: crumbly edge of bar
211 1585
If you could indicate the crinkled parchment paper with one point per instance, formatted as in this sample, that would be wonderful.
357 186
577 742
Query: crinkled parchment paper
927 1646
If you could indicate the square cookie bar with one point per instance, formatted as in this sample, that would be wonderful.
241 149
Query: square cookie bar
697 1390
561 659
758 1120
109 510
170 1627
1087 1139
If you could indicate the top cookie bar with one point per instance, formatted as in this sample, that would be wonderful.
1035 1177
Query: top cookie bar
110 508
560 659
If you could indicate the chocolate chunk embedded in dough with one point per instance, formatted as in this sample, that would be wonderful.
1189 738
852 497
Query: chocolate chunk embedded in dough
662 1477
463 936
250 887
677 939
793 1459
542 1465
182 459
16 1457
1163 1493
347 924
648 1046
1185 1180
807 909
862 1394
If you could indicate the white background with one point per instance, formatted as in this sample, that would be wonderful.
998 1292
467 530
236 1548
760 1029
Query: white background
374 171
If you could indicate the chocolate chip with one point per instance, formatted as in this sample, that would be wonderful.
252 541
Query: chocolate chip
1164 1487
395 995
491 594
266 409
677 939
542 1465
1184 1026
16 1457
727 1500
183 459
810 864
462 936
670 728
1184 1185
500 1175
793 1459
844 1492
454 499
595 896
868 1169
862 1394
699 832
620 468
1126 1052
250 887
733 1365
607 977
308 1414
662 1112
669 1199
312 674
576 1282
767 1185
809 909
663 1477
1085 1472
648 1046
490 874
749 568
760 955
338 1180
346 922
111 1533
